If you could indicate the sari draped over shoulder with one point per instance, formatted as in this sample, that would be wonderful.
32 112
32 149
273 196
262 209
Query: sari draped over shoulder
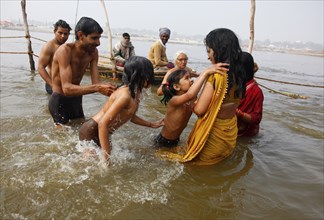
211 139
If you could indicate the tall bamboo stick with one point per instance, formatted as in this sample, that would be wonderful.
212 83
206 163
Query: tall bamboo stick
30 50
251 26
111 56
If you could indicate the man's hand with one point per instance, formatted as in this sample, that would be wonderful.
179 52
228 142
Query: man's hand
107 88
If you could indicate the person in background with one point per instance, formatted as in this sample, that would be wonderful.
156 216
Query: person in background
249 112
157 54
180 93
61 35
70 62
180 60
213 137
121 106
123 50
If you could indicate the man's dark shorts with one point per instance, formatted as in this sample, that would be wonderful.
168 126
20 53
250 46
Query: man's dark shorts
63 108
161 141
48 89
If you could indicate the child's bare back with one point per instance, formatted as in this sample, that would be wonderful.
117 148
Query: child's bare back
119 109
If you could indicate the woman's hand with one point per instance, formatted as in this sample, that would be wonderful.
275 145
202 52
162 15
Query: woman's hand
219 68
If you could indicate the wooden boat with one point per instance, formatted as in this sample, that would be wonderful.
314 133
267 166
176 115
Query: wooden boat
106 70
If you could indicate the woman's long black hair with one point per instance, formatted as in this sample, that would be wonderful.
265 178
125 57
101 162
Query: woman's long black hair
168 89
227 49
248 64
138 71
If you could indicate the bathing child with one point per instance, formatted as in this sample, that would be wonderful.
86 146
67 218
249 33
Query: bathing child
121 106
180 93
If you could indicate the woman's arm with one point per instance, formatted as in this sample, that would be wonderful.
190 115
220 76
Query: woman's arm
204 99
206 95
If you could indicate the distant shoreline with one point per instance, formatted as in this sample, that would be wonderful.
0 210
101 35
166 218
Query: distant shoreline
317 53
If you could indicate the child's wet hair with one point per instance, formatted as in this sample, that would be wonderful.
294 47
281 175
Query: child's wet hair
138 71
168 89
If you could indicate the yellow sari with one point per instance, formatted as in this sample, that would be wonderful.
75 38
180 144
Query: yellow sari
211 139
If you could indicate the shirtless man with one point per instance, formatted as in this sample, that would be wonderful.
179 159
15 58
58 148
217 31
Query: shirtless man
69 65
61 35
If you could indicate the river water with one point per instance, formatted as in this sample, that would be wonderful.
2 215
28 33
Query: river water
276 175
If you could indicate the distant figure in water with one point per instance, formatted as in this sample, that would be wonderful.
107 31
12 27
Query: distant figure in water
249 112
70 62
157 54
61 35
121 106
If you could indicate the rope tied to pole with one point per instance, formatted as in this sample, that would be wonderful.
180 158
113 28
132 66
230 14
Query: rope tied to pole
291 83
295 96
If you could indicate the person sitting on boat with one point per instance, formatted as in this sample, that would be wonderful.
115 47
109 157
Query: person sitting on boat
180 60
123 50
157 54
249 112
61 35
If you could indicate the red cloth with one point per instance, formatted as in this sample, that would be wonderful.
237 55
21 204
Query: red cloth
251 104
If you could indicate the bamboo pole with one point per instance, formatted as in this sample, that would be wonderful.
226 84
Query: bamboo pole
30 50
76 16
251 26
111 56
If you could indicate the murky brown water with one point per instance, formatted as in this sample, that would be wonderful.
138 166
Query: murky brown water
276 175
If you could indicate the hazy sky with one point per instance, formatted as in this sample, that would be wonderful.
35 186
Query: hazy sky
277 20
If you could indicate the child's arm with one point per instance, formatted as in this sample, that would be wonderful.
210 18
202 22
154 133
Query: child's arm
139 121
159 91
107 119
196 86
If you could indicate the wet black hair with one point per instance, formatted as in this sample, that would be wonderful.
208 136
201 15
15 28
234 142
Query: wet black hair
248 65
87 26
168 89
62 24
226 47
138 71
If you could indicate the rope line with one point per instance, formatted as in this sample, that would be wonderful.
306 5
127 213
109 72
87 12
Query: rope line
25 37
18 52
295 96
15 37
298 84
38 39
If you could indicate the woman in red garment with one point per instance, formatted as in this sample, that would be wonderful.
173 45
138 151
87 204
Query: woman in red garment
249 112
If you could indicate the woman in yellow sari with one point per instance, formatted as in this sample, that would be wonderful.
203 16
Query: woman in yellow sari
213 137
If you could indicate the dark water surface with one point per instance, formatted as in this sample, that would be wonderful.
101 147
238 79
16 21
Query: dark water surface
276 175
